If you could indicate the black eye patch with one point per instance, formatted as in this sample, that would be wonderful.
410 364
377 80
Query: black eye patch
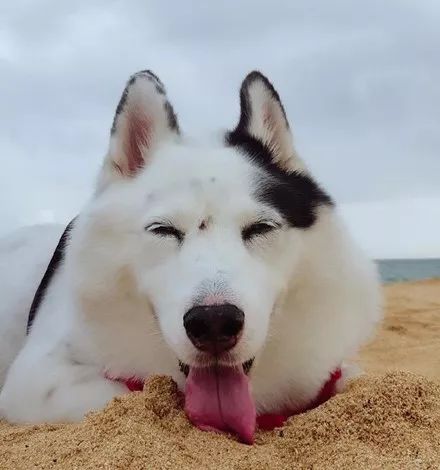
294 195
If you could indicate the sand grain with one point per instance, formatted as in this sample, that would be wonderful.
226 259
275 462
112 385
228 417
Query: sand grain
385 421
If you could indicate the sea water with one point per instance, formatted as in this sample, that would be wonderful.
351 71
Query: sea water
392 270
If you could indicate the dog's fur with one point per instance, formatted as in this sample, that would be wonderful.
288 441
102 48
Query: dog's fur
115 305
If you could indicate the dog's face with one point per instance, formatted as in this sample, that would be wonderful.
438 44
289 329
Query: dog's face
211 233
209 241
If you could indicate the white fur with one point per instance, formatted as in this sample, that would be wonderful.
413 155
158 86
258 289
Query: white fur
116 305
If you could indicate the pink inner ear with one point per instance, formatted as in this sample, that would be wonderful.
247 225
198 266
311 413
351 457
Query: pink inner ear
268 118
139 130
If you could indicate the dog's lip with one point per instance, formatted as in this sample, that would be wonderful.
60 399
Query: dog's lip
184 368
247 365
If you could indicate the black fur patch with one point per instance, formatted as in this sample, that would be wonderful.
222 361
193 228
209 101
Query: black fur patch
296 196
56 260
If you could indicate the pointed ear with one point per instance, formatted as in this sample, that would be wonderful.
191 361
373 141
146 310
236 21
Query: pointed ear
263 118
144 118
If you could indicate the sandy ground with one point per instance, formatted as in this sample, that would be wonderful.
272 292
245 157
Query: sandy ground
384 420
410 335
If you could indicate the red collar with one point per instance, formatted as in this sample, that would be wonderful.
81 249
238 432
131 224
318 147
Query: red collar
271 421
268 421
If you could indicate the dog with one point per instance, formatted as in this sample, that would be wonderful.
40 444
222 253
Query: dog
221 263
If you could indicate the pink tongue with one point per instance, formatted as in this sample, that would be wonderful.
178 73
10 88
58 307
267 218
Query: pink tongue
219 398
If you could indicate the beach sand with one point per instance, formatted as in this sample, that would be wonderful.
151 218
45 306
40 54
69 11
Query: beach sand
410 335
387 419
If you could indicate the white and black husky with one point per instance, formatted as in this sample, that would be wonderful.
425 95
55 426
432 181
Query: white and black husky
224 266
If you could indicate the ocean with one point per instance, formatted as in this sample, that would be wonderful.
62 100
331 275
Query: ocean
392 270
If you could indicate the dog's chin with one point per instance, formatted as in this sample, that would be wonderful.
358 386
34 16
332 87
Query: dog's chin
206 362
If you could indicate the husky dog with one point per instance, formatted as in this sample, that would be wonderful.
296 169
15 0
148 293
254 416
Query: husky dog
223 265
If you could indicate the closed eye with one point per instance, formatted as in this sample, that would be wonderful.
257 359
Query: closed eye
165 230
258 229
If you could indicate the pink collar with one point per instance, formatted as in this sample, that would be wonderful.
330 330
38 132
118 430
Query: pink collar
267 421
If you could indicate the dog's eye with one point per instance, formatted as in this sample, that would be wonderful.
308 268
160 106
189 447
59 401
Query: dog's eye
163 230
257 229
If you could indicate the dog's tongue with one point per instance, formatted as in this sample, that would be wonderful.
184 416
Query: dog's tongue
219 398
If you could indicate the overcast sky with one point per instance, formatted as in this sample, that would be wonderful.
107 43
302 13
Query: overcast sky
360 82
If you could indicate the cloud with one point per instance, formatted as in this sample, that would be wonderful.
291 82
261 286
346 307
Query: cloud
400 228
359 83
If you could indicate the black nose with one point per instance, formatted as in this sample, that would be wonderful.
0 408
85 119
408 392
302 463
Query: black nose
214 328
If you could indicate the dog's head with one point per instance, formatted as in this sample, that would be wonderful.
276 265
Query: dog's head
210 233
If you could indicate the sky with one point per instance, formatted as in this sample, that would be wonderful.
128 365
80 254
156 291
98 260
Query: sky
360 82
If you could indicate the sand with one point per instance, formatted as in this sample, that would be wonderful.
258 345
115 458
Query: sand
410 336
386 419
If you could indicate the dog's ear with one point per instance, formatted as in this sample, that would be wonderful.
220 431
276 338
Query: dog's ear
262 117
144 118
